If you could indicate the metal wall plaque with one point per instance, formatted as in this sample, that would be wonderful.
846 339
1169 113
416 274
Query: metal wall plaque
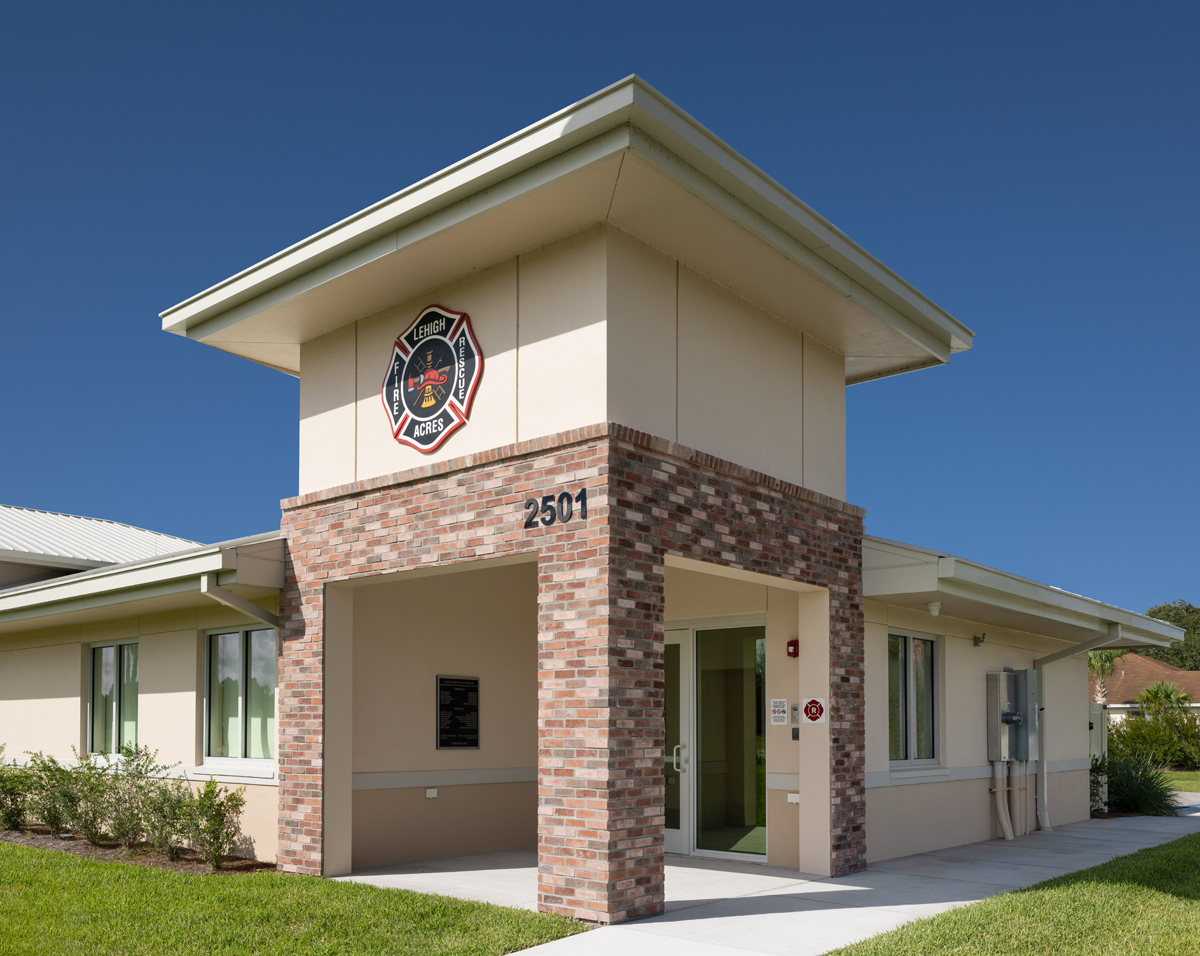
457 713
432 377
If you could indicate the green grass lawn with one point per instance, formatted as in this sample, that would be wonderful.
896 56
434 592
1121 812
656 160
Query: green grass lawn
1144 903
1184 780
57 903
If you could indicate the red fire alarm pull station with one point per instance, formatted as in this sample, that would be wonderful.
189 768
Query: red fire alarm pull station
793 648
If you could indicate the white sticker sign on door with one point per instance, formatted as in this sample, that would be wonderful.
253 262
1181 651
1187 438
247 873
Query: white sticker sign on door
779 710
813 710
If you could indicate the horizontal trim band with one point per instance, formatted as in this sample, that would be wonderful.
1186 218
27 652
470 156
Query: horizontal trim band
900 778
405 779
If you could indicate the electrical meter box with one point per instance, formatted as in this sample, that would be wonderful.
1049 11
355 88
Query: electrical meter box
1012 715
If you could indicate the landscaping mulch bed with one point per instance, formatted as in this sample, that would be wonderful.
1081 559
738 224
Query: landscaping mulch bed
145 855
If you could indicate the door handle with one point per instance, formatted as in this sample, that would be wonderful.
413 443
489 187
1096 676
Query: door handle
675 758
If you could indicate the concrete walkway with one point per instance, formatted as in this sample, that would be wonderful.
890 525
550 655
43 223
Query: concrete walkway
729 909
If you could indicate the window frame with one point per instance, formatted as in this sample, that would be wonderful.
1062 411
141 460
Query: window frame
117 695
244 631
910 716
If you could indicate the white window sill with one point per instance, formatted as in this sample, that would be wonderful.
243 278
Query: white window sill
235 771
914 772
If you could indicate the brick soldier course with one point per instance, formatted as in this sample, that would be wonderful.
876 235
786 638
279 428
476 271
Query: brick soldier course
601 731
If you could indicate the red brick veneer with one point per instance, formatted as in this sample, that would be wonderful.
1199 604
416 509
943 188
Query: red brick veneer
600 622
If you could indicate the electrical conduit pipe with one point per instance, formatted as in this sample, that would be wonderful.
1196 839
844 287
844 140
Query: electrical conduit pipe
999 784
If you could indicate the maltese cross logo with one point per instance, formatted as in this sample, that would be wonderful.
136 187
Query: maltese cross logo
431 380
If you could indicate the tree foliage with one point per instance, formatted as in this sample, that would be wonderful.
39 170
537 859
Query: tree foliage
1185 654
1162 696
1100 666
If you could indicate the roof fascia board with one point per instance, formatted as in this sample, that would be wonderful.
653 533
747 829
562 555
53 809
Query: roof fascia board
1001 582
54 592
88 602
533 145
587 154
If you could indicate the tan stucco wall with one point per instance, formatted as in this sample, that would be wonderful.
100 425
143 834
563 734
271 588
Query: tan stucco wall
595 327
905 817
45 685
479 622
460 820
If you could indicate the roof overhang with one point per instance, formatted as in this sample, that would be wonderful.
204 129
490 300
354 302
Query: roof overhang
251 569
907 576
626 156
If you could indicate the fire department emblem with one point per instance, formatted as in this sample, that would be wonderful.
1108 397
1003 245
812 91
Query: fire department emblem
436 366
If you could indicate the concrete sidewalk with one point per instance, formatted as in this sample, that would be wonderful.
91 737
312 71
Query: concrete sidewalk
722 909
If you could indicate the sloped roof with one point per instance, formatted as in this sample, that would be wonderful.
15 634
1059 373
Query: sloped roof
50 539
1133 673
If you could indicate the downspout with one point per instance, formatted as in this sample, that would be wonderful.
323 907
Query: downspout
209 588
1043 775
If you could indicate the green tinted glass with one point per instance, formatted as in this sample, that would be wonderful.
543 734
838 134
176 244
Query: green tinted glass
104 699
224 695
129 694
260 695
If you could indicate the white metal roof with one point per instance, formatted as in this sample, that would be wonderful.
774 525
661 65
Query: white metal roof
50 539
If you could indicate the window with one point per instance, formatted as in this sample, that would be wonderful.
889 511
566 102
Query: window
114 697
241 694
911 715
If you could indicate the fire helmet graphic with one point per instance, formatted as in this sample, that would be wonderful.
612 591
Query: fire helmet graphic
431 380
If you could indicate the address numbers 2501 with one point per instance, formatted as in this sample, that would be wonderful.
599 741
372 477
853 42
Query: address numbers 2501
555 508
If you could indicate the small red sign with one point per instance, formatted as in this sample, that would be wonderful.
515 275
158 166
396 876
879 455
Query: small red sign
814 710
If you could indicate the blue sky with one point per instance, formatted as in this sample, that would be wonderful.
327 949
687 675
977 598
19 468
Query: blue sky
1031 167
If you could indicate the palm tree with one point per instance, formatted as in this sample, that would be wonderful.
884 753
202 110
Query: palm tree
1160 697
1100 666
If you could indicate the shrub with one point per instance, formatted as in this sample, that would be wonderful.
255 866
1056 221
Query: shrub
215 829
52 795
1136 786
14 794
167 815
1171 739
1099 782
134 783
92 785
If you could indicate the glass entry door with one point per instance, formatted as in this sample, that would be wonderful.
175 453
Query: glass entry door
715 756
679 698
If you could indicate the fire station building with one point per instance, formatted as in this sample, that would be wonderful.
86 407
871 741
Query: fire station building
570 566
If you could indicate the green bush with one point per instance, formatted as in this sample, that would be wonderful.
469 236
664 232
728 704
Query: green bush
135 780
167 815
1137 786
214 817
1171 739
1099 780
52 796
14 793
92 784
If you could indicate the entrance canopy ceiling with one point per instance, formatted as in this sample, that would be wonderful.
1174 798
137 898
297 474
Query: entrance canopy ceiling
625 156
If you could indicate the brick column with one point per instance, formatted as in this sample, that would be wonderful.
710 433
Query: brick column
601 734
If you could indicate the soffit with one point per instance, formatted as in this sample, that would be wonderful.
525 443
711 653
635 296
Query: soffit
625 156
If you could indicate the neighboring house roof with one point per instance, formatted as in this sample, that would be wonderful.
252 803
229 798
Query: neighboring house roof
1133 673
47 539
